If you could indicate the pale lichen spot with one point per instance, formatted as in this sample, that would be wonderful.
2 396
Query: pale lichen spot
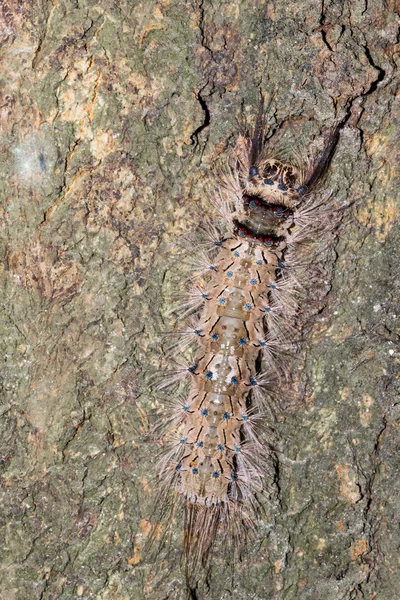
143 480
358 547
349 488
365 410
321 544
34 160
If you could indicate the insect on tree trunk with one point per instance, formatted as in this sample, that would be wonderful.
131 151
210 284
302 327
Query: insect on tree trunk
113 116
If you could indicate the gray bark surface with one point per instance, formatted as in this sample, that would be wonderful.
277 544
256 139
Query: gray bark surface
112 114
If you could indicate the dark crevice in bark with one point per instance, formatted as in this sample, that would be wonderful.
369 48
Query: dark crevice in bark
322 23
202 29
207 119
381 72
193 594
201 99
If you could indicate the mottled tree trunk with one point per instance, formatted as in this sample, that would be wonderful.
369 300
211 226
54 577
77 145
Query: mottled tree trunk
112 113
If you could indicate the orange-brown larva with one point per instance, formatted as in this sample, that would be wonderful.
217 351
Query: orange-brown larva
245 295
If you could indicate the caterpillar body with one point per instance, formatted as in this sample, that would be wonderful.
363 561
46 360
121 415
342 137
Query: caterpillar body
241 306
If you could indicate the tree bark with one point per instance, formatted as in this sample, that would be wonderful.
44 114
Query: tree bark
113 113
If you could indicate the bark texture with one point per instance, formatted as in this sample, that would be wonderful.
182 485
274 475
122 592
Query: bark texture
112 113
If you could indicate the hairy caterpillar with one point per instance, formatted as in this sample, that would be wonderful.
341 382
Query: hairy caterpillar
240 307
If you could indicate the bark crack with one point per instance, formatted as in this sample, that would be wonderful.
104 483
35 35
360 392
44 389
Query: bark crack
207 119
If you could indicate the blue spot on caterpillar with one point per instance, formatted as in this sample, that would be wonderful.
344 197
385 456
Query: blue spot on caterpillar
269 208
